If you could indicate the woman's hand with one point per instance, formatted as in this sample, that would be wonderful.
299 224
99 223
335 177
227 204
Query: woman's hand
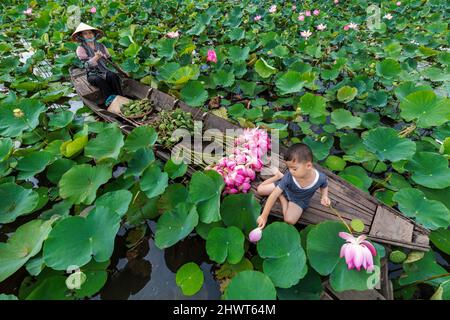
98 55
261 221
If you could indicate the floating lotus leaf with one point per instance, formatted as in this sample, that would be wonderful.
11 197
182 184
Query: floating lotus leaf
335 163
22 245
16 201
228 270
32 164
140 161
175 225
106 145
57 169
240 210
141 208
431 214
441 239
223 78
189 278
203 229
443 292
60 119
320 149
284 257
73 147
343 118
183 75
423 269
194 94
225 244
75 240
430 170
313 105
425 108
250 285
264 69
117 201
49 285
80 183
175 170
290 82
387 145
140 137
12 126
6 146
357 176
346 94
174 194
153 181
308 288
397 256
388 68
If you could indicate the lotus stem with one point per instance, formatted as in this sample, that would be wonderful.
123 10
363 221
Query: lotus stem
342 219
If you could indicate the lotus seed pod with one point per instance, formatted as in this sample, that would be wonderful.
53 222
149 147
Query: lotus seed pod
255 235
397 256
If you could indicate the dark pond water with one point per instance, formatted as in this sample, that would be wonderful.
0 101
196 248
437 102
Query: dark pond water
150 272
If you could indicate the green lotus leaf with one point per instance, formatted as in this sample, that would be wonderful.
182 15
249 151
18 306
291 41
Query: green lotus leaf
430 170
357 176
387 145
6 147
132 50
140 137
117 201
240 210
346 94
423 269
96 276
175 225
48 285
175 193
60 119
431 214
153 181
106 145
242 286
343 118
320 149
74 240
175 170
290 82
408 87
16 201
225 244
194 94
32 164
223 78
308 288
441 239
10 297
166 48
228 270
74 147
425 108
377 99
436 74
323 246
397 256
388 68
141 208
313 105
335 163
209 209
443 292
140 161
57 169
264 69
80 183
284 257
22 245
183 75
12 126
189 278
237 54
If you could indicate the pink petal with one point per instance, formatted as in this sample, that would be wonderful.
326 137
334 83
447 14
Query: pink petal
370 247
358 259
346 236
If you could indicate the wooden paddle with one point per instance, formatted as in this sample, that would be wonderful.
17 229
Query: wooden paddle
117 67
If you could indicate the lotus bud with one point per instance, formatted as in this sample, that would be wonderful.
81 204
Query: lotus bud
255 235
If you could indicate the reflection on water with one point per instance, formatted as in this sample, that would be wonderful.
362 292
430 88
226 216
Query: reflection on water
149 273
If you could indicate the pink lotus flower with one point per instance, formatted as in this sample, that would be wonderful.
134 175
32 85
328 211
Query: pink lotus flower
321 27
301 17
357 252
306 34
336 1
211 56
294 7
308 13
273 9
388 16
398 3
353 26
28 12
93 10
173 34
255 235
346 27
257 18
316 12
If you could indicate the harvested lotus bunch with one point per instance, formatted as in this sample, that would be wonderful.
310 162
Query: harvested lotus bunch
168 121
137 108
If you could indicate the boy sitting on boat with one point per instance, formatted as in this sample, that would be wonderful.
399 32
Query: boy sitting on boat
295 188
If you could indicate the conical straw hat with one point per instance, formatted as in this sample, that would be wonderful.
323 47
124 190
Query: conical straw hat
83 27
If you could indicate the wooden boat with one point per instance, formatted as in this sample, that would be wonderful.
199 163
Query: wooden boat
381 223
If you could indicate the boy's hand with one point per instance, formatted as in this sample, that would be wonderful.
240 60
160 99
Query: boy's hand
261 221
325 201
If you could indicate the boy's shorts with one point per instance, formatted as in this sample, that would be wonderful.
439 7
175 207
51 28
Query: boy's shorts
293 198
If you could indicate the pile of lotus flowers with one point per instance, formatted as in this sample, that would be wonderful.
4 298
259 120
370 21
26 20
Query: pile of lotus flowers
239 169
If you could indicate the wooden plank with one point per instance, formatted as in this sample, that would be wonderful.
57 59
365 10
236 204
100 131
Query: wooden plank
389 225
385 283
371 294
325 296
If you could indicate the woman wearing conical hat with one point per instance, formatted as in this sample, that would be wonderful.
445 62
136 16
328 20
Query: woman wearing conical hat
93 54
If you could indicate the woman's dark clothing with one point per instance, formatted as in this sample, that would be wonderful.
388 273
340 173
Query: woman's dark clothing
98 74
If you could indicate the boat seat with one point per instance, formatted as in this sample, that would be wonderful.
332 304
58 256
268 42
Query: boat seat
85 89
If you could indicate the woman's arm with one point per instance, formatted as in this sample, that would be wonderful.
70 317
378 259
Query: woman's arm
82 55
262 219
